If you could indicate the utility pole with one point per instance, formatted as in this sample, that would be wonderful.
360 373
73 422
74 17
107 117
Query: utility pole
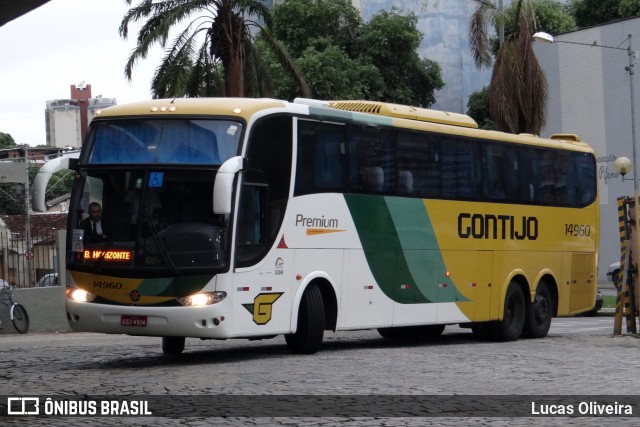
27 202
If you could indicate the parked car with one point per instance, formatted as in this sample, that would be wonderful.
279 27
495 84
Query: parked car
598 306
613 273
49 279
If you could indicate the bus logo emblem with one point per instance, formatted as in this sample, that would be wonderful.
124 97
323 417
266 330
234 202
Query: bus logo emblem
262 307
135 295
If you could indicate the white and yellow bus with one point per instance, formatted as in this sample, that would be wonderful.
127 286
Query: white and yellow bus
251 218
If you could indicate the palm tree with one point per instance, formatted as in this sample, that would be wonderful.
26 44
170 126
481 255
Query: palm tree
214 55
518 89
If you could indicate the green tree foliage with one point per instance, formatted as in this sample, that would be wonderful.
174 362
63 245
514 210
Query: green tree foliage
214 45
6 140
343 58
392 42
595 12
629 8
478 109
331 71
518 89
300 24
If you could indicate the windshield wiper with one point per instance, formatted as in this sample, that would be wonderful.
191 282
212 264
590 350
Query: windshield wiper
161 246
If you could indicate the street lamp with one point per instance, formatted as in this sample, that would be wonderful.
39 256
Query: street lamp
622 164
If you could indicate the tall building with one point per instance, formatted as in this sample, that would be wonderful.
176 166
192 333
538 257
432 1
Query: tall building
67 120
81 93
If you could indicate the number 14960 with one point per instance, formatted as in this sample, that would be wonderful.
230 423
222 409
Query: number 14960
577 230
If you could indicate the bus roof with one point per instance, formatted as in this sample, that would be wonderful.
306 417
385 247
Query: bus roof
356 110
406 112
240 107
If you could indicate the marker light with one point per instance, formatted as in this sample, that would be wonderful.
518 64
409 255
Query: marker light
80 295
237 110
202 298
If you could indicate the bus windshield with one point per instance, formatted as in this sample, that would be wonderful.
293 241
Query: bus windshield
158 220
165 141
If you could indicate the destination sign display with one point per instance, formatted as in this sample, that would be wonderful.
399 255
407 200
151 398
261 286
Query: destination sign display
110 255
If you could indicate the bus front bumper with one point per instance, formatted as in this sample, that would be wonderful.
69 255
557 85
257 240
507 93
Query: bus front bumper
201 322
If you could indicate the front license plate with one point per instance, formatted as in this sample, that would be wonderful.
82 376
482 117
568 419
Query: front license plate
128 320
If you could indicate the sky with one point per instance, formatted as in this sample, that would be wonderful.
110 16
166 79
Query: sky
59 44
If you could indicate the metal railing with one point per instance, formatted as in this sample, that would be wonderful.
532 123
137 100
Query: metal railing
21 264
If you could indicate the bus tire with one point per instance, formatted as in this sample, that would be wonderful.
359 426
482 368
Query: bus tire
310 331
512 323
172 346
412 333
539 313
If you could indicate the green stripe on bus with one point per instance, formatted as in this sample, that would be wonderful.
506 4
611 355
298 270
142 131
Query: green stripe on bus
401 249
421 250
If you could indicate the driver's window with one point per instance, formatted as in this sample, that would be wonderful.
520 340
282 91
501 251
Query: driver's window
251 224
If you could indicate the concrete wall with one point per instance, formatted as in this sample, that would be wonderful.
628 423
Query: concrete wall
45 307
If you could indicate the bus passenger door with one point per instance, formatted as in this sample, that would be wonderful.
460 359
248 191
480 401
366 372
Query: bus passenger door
263 276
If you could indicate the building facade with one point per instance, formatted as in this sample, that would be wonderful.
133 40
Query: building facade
67 120
590 95
445 29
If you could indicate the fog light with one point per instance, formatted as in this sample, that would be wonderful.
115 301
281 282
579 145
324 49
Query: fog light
202 298
80 295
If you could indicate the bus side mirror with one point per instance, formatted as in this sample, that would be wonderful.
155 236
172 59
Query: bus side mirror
68 161
223 185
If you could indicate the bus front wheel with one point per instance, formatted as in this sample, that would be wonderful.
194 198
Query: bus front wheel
310 331
512 323
172 346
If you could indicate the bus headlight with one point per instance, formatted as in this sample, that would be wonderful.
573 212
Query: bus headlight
202 298
80 295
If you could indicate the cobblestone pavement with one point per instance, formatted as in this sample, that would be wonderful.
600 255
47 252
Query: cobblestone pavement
350 363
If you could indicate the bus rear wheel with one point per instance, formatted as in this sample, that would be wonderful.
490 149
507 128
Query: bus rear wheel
172 346
310 330
412 333
512 323
539 313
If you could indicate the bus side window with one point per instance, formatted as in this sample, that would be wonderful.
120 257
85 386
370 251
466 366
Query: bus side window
527 166
405 182
585 179
547 177
321 156
459 169
329 154
375 159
